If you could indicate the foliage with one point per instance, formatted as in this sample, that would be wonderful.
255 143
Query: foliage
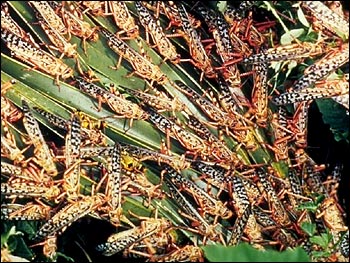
246 253
78 241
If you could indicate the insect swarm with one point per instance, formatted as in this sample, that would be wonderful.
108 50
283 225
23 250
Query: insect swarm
220 151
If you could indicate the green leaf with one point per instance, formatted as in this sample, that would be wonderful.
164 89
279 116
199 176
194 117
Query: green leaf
302 17
246 253
221 5
322 240
22 250
319 254
67 258
6 236
336 116
289 37
309 228
310 206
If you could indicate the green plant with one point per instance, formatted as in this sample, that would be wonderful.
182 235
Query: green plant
237 146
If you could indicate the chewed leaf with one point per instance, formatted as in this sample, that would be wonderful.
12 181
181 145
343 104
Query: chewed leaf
289 37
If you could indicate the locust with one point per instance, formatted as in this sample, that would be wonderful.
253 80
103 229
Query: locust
280 213
224 47
49 15
9 24
213 112
282 136
241 26
142 66
10 169
260 94
139 153
188 253
59 42
10 150
239 226
74 21
20 187
159 100
215 146
153 28
90 128
241 201
71 176
339 86
113 191
298 126
35 57
282 236
122 240
187 210
287 52
238 123
123 107
321 68
68 214
96 8
54 28
43 155
28 211
323 89
209 204
123 19
327 18
189 140
9 112
231 98
199 57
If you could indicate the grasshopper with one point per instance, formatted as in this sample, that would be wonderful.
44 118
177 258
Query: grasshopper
68 214
260 93
239 226
35 57
287 52
9 24
153 28
54 28
199 58
123 107
42 152
279 211
220 31
242 28
123 19
142 66
139 153
327 18
190 212
209 204
159 100
327 64
122 240
28 211
74 21
71 176
9 112
28 188
188 253
113 191
323 89
90 128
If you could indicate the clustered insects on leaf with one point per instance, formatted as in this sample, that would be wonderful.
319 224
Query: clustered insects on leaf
213 154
